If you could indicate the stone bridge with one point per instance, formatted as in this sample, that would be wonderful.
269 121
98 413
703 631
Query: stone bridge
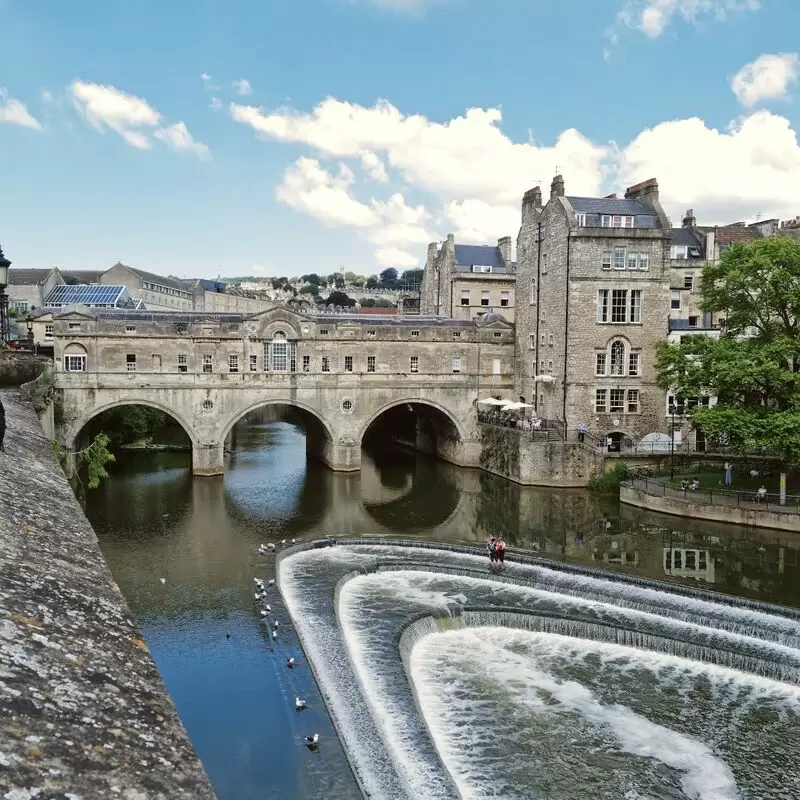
341 373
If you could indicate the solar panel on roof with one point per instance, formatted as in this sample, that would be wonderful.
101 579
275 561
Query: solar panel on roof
84 294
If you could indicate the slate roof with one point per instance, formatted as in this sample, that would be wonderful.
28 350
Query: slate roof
616 205
468 255
75 276
151 277
28 277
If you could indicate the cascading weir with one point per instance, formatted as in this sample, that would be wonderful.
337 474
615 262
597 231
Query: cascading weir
445 681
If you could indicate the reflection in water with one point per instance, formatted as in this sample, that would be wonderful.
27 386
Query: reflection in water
236 698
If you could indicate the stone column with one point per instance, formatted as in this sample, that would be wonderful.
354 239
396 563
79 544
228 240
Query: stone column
208 459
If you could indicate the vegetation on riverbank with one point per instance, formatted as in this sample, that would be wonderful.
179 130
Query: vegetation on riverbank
610 481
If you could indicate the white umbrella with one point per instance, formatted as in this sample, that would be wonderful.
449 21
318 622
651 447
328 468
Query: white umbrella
493 401
515 406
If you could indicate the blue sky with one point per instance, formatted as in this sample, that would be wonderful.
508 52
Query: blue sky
366 128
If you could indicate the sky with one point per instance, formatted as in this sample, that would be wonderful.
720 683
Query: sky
279 137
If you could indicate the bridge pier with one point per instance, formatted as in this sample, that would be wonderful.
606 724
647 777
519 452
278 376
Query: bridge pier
208 459
341 456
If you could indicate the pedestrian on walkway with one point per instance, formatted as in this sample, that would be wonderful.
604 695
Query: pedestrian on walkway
728 473
581 432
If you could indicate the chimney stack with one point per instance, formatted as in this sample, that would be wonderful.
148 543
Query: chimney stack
690 221
557 187
504 245
533 197
646 192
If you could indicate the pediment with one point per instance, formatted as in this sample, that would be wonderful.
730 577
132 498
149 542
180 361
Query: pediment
265 323
82 313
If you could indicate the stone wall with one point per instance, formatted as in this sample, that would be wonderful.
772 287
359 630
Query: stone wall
83 710
532 462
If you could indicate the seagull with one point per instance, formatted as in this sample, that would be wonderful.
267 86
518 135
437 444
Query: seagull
299 704
163 581
256 581
271 545
276 623
264 612
271 582
268 608
290 664
257 596
294 541
274 634
312 741
283 541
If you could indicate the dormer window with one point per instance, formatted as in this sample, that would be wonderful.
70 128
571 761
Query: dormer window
616 221
581 220
481 268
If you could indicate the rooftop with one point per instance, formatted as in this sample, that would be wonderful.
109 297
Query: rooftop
89 295
479 255
74 276
28 277
160 280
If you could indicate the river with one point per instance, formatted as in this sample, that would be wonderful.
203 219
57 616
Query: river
236 695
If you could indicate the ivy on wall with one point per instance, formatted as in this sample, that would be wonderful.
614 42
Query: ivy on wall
500 450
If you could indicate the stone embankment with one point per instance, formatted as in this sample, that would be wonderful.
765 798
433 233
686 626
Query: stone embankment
84 714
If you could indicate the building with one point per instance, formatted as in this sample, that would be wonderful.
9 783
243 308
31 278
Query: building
27 288
465 281
91 296
157 292
592 302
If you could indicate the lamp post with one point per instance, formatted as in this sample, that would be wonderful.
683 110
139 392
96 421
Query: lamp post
4 265
29 325
672 410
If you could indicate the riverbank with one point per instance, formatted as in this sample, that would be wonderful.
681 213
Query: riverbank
83 710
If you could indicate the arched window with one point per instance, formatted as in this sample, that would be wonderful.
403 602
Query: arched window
617 358
279 353
74 358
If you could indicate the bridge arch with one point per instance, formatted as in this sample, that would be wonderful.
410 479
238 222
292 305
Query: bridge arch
77 426
312 412
429 404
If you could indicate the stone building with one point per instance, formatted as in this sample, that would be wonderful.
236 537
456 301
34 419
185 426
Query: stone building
593 300
341 371
465 281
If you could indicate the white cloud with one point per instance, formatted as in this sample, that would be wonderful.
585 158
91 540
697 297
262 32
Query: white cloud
177 137
242 87
123 113
215 104
751 168
466 176
131 117
309 188
16 113
769 77
208 82
652 17
374 166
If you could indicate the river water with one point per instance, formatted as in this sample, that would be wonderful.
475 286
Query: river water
236 695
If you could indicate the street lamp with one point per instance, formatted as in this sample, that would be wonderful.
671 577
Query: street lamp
4 265
29 325
672 410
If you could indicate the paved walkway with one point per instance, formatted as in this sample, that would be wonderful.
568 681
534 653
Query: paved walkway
83 711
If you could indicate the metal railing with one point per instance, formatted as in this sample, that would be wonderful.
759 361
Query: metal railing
750 501
540 429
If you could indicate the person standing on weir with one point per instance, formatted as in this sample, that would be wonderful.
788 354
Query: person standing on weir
2 426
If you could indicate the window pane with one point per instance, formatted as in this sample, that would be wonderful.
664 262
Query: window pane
675 301
617 400
606 261
617 358
633 401
618 297
644 261
619 258
600 366
636 305
633 364
602 305
600 401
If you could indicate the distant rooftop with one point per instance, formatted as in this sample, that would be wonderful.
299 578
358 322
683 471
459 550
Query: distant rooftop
27 277
597 207
478 255
159 280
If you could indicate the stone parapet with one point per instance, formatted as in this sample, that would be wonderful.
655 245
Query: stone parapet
83 711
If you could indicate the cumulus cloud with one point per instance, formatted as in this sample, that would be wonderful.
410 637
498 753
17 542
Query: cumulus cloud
15 112
178 138
769 77
242 87
215 104
131 117
467 176
751 168
374 166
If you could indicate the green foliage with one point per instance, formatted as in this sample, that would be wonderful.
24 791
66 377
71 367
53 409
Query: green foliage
611 480
371 302
92 458
312 278
339 299
754 368
411 276
310 288
372 282
500 450
43 391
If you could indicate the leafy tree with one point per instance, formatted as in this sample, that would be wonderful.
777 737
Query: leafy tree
372 282
312 278
309 288
339 299
336 279
93 458
754 367
411 276
368 302
350 277
388 276
382 302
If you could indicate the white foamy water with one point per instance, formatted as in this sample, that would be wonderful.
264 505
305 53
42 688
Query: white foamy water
534 714
483 747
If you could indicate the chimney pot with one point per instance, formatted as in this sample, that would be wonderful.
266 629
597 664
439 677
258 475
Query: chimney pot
557 187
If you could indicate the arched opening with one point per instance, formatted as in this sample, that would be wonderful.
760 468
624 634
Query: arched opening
133 429
415 425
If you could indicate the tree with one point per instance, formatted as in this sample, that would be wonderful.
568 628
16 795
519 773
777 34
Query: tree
312 278
753 369
336 279
339 299
372 282
350 277
309 288
368 302
388 277
411 277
